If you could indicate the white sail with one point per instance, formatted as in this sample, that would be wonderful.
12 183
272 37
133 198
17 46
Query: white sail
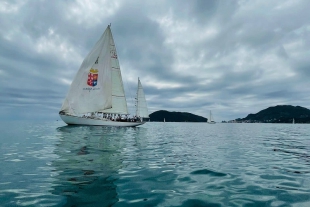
91 89
142 110
119 103
211 121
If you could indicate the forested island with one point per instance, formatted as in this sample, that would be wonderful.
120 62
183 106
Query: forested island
273 114
167 116
278 114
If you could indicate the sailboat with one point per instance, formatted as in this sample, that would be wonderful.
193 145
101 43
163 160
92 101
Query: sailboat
96 95
141 106
211 121
293 121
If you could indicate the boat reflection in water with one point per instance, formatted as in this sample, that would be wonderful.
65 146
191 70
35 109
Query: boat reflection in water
89 158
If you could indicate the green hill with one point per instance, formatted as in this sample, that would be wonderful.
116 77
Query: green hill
159 116
280 114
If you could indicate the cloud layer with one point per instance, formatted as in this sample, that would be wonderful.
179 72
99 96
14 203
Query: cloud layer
231 57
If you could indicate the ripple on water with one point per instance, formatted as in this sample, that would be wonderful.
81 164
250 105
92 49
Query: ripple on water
171 164
208 172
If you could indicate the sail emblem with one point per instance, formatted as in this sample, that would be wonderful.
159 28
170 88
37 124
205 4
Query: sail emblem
92 77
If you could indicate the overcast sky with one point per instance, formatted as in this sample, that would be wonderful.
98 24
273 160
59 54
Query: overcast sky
231 57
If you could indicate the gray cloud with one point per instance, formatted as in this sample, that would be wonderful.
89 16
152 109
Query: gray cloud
231 57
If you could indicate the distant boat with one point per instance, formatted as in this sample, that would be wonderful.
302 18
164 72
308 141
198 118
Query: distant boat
293 121
141 109
96 95
211 121
164 120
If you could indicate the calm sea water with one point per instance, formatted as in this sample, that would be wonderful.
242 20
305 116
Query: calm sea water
157 164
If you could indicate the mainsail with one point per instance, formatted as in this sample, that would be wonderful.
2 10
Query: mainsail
91 89
141 102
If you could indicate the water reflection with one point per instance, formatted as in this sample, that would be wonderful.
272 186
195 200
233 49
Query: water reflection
89 158
170 164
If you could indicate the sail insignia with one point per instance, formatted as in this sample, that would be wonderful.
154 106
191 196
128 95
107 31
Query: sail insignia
92 77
